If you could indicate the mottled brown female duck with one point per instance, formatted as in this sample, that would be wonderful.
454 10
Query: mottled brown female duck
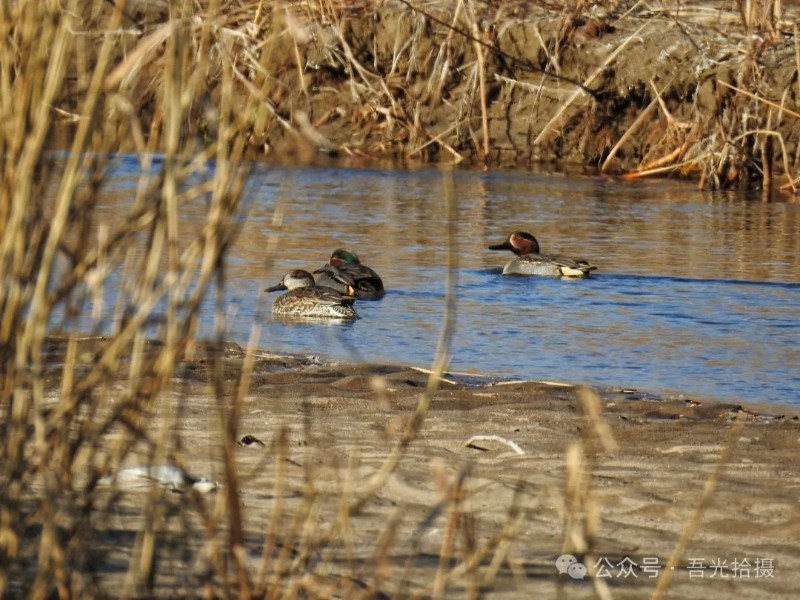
306 299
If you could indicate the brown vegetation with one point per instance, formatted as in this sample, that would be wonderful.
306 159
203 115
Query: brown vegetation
708 92
198 84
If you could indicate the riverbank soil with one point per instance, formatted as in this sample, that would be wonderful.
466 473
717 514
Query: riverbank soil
708 92
615 490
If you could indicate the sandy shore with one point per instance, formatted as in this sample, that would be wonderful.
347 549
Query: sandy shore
340 423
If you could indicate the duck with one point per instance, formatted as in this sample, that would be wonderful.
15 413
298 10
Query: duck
343 267
530 262
307 299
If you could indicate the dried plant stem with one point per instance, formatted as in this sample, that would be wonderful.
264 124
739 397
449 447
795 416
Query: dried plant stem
796 57
442 358
38 316
768 133
481 86
668 169
759 99
628 134
547 129
277 514
454 515
703 503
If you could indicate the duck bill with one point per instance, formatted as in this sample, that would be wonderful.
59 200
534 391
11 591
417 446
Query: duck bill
276 288
504 246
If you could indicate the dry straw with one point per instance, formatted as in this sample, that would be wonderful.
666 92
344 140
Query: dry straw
181 86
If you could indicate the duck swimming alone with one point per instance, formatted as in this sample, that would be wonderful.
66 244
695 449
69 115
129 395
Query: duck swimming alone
530 262
343 267
306 299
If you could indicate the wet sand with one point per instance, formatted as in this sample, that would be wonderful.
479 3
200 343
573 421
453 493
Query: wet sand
342 421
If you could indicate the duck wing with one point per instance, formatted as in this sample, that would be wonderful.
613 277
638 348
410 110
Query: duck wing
551 265
335 278
570 262
569 266
365 283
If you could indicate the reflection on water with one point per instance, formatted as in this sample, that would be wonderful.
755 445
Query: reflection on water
696 294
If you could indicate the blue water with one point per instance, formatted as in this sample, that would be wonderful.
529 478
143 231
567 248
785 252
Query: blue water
729 340
696 294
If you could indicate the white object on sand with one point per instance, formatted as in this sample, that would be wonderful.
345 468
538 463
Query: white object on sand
167 475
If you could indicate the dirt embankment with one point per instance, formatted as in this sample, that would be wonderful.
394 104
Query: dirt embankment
612 85
705 92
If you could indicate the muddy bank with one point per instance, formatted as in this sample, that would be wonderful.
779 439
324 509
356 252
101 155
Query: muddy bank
619 86
313 435
703 92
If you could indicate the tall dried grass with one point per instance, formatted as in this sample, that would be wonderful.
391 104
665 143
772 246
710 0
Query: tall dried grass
527 81
469 80
89 61
184 87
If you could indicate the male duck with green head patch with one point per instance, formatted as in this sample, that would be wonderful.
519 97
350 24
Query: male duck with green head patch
343 267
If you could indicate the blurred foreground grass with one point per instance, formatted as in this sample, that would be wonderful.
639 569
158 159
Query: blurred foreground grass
187 82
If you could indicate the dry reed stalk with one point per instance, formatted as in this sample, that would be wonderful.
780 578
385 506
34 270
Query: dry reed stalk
628 134
546 130
441 359
767 170
142 568
291 534
474 558
593 410
664 161
140 55
73 436
36 81
441 65
767 132
481 84
455 496
581 509
703 502
39 315
299 35
438 139
760 99
693 162
501 545
796 57
280 448
383 546
225 180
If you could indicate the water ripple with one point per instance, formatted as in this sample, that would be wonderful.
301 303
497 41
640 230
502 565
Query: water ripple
694 295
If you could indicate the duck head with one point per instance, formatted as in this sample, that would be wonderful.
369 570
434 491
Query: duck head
341 257
520 243
294 279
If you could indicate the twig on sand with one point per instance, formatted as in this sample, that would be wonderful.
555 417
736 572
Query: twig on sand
429 372
470 443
